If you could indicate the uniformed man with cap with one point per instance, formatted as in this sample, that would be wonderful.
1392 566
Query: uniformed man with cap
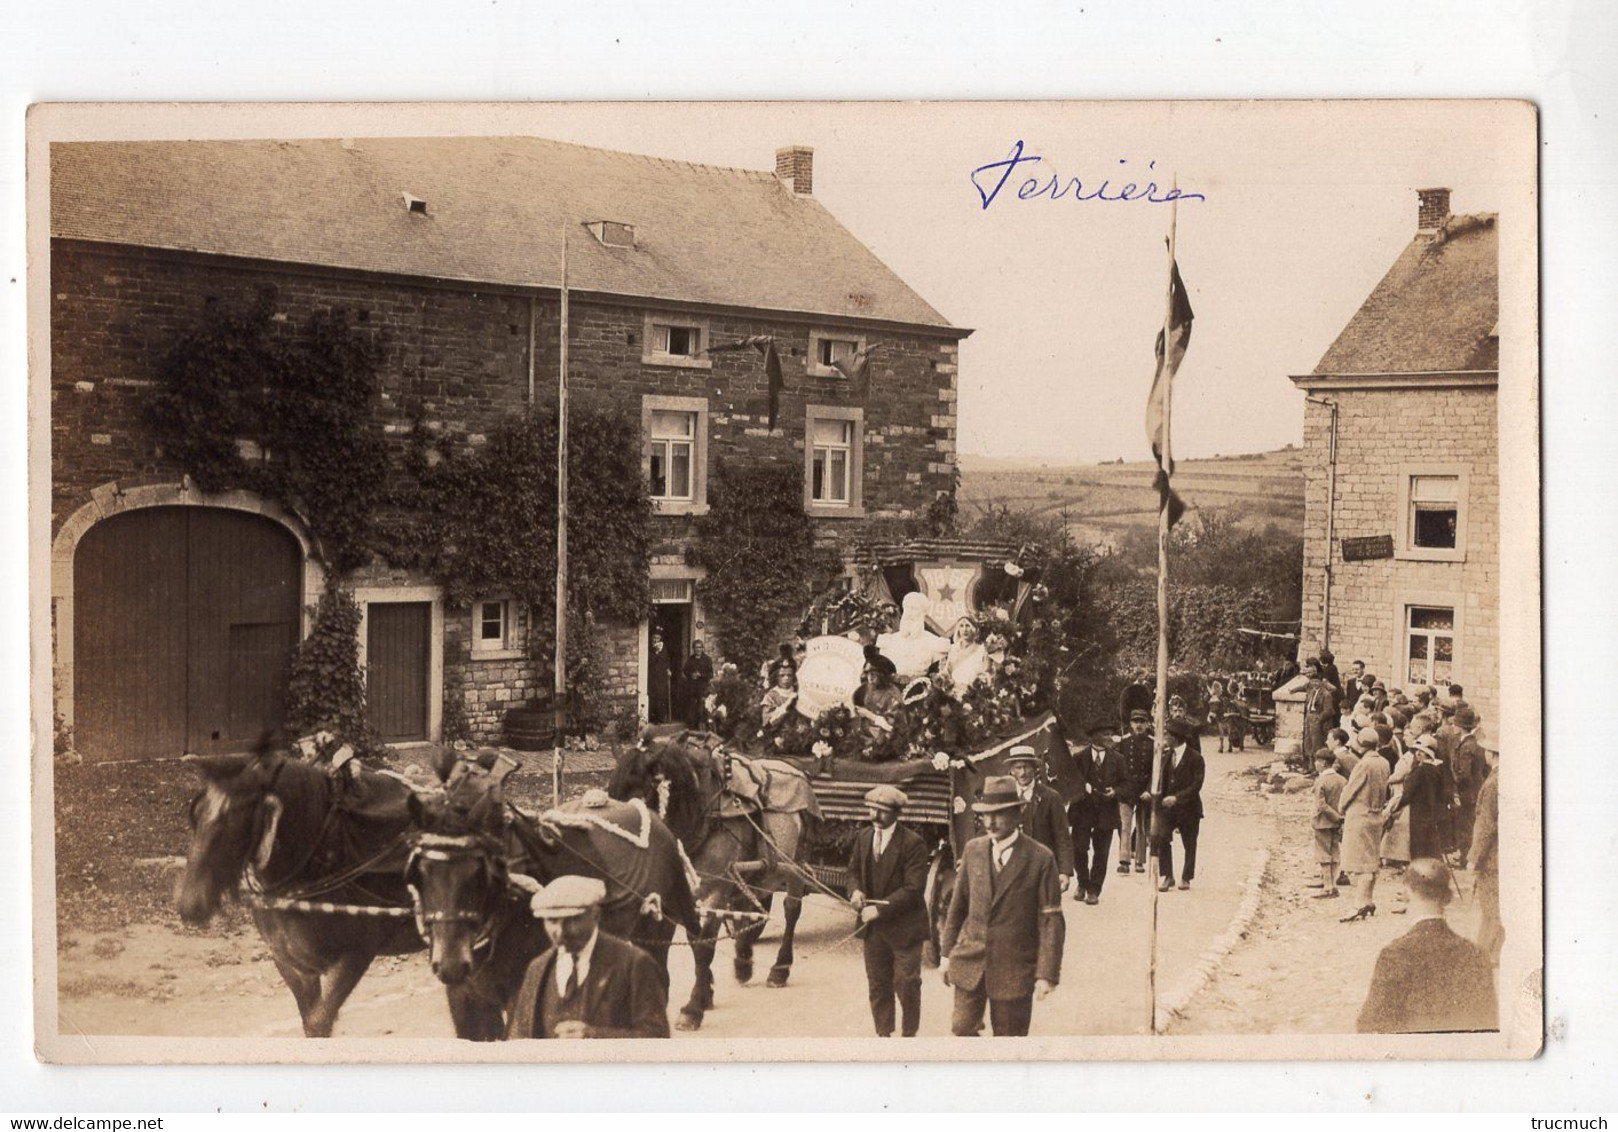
1044 817
589 984
887 877
1002 941
1134 794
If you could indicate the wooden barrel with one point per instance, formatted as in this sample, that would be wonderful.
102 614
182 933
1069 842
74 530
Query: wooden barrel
531 728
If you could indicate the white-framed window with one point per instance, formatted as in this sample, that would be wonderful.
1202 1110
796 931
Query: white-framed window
833 460
673 452
676 340
1429 645
674 456
1432 513
829 346
494 628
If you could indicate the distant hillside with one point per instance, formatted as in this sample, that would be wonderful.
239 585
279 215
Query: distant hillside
1100 500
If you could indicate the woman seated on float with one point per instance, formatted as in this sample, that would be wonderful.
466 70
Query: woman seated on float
779 701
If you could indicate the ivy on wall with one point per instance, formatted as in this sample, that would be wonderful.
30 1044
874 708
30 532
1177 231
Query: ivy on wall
487 526
763 567
286 412
325 685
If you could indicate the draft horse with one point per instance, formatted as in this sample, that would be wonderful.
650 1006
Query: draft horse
297 833
741 858
473 868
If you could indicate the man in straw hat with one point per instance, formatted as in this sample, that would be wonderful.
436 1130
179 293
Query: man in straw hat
1484 856
888 875
589 984
1044 818
1002 941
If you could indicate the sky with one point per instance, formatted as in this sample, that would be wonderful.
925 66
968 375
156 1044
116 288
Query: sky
1306 206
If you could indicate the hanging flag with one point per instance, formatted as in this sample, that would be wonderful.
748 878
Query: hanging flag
1171 343
764 344
855 367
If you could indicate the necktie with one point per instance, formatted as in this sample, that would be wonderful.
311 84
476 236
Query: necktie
571 986
880 843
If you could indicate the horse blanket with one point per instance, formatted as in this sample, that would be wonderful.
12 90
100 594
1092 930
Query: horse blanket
768 785
621 841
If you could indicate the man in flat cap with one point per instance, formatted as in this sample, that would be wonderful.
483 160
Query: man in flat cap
589 984
1094 813
1135 752
1179 803
1002 942
1044 817
887 873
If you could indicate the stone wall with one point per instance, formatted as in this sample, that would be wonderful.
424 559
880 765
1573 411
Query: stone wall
1379 431
457 357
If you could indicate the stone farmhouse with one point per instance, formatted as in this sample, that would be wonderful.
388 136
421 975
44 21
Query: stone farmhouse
1401 534
174 611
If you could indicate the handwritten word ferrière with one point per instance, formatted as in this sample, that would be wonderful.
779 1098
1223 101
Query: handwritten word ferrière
990 179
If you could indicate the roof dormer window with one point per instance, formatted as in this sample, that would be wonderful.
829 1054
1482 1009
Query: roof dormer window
614 234
414 204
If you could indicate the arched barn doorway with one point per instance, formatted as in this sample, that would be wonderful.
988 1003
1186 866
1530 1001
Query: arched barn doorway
185 622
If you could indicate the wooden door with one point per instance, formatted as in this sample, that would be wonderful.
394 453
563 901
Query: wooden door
184 624
130 633
397 642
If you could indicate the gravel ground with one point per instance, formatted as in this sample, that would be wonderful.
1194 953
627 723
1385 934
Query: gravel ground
1300 970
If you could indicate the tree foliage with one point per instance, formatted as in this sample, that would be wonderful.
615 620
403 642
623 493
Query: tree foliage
287 413
758 548
326 685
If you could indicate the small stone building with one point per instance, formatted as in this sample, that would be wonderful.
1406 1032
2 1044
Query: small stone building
1401 534
174 612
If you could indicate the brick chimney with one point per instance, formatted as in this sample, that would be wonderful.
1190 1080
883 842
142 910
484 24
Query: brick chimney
795 168
1433 211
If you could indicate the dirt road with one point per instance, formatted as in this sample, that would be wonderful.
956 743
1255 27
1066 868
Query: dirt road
157 979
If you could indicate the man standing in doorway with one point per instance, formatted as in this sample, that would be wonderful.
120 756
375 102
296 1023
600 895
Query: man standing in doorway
1002 940
659 681
698 673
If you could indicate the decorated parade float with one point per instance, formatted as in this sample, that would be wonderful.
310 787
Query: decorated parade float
923 673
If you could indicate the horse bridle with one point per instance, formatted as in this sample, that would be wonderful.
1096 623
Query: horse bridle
446 847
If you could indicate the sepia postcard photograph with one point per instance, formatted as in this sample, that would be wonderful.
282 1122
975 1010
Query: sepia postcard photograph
760 581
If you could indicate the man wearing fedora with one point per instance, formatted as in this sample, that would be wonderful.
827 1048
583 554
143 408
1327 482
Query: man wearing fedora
1044 817
1179 804
1002 942
888 875
1135 752
1094 812
589 984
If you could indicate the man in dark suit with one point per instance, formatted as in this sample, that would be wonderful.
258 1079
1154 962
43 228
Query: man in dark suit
1135 753
1044 818
888 877
1430 980
1179 803
1094 813
589 984
1002 942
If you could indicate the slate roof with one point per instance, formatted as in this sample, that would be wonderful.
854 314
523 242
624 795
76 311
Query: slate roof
495 211
1434 311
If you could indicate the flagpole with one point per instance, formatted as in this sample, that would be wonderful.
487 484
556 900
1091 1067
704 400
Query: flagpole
1160 709
560 658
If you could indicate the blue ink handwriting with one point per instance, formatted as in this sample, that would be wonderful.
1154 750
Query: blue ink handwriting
1056 187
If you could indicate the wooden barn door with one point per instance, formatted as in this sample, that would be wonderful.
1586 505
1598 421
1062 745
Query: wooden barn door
184 623
397 639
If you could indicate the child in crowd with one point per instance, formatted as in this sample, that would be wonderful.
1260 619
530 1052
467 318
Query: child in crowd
1327 821
1342 754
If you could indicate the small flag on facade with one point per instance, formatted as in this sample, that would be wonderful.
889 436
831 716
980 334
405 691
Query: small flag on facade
1171 343
856 367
